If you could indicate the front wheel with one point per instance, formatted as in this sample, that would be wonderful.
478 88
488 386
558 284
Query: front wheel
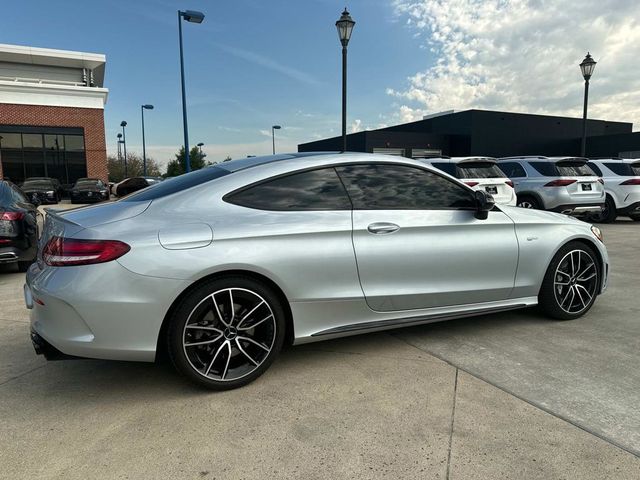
226 333
571 283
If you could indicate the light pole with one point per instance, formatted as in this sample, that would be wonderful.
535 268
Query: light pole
345 27
200 145
273 136
193 17
144 148
124 146
119 143
587 67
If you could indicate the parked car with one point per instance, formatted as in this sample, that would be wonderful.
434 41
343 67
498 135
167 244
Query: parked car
561 184
134 184
46 190
480 173
622 187
89 190
18 227
221 266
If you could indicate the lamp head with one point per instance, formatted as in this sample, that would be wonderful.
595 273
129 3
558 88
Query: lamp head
587 66
147 107
192 16
123 123
345 27
276 127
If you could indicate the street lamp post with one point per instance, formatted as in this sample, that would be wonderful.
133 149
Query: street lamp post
119 144
345 27
273 136
124 146
200 145
144 148
193 17
587 67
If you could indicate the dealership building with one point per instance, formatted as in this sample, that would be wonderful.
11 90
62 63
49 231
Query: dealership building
490 133
51 114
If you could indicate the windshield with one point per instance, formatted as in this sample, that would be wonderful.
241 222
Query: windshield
177 184
574 169
38 184
86 183
479 170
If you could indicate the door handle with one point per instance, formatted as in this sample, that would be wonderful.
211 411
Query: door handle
382 228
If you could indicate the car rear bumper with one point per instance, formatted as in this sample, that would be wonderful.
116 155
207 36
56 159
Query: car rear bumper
14 254
99 311
578 209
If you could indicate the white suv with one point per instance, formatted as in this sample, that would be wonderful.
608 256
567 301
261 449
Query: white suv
622 186
480 173
561 184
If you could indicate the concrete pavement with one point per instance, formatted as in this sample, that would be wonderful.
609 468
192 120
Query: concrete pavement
373 406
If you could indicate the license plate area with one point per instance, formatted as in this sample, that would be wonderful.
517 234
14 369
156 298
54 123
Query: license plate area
493 190
586 187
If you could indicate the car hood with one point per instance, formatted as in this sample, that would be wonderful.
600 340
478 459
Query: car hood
528 215
38 189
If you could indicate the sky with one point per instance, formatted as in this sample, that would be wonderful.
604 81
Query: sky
252 64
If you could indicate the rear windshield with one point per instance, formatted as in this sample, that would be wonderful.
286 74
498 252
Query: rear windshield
624 169
563 169
177 184
37 183
479 170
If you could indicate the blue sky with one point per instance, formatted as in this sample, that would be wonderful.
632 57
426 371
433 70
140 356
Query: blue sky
255 63
251 64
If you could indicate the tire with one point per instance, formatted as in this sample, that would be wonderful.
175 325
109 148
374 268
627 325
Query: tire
24 266
527 201
569 291
608 214
221 351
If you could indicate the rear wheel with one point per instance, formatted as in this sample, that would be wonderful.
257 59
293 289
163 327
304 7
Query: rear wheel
527 201
571 283
608 213
226 333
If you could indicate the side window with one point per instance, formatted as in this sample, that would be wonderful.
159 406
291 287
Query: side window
596 169
449 168
399 187
311 190
512 169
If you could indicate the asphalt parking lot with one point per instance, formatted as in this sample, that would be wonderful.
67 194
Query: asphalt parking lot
501 396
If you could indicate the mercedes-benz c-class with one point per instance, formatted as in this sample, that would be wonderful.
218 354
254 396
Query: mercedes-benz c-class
222 266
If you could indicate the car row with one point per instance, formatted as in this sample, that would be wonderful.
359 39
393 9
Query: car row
133 184
221 266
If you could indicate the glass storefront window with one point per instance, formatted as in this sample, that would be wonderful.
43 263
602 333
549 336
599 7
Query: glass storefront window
25 155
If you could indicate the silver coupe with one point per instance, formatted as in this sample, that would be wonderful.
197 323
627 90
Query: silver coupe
222 266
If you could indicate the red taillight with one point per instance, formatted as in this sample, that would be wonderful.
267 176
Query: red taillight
62 252
631 181
471 184
510 183
601 181
11 216
560 183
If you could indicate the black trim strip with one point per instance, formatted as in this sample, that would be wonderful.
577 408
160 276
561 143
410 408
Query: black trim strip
407 322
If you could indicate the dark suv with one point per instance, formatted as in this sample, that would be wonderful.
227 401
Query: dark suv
18 227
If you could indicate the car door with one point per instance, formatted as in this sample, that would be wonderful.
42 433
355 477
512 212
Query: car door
418 243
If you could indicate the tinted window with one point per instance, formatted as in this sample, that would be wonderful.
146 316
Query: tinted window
38 184
622 169
398 187
311 190
449 168
596 169
574 169
479 170
512 169
547 169
177 184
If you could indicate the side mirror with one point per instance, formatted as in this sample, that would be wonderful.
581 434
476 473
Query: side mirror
35 200
484 204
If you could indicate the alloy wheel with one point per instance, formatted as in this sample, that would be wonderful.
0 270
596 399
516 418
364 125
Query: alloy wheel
575 281
229 334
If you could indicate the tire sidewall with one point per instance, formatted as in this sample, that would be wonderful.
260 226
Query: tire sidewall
181 314
547 299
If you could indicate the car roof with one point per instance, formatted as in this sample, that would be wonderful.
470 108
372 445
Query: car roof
243 163
541 158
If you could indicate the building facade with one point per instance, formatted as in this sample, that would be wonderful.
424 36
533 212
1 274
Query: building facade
51 114
490 133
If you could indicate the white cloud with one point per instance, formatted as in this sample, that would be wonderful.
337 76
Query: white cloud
523 55
356 126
